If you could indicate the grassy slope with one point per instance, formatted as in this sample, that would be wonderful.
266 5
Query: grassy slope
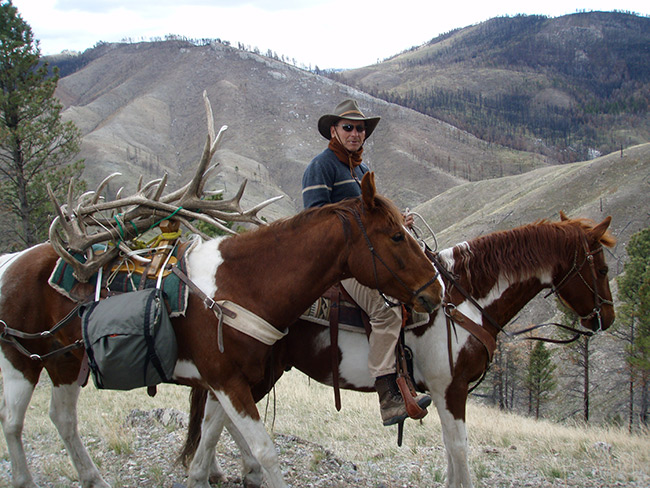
505 449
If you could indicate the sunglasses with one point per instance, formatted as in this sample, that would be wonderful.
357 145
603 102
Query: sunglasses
350 127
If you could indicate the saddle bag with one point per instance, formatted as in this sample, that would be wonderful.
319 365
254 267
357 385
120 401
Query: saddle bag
129 340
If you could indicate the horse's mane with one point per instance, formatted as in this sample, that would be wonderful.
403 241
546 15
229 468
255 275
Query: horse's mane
343 209
522 251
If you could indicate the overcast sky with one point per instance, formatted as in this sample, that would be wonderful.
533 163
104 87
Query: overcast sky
323 33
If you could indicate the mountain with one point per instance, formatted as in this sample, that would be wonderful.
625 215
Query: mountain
140 109
616 185
569 87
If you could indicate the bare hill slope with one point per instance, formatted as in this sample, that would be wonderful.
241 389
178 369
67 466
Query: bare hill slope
617 184
140 110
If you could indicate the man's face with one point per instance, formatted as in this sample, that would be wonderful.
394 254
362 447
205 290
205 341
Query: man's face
351 133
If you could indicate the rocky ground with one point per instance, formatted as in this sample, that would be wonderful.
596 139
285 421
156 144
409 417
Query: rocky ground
147 461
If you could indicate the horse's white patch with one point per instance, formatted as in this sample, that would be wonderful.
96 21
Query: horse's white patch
186 369
354 362
253 432
202 265
15 387
473 313
446 256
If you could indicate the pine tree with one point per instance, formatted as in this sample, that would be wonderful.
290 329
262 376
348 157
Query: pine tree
539 379
578 354
633 322
36 146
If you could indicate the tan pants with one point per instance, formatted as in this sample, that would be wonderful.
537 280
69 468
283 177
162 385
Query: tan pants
386 324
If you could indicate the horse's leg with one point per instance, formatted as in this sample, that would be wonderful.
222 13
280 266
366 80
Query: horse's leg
16 394
204 459
251 469
63 412
454 436
254 434
204 469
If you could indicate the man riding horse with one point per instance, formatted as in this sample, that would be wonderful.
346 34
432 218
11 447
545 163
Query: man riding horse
335 175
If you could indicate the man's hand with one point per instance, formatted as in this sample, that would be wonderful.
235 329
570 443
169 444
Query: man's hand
408 218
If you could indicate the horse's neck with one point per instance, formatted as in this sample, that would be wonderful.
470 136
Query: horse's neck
287 270
502 295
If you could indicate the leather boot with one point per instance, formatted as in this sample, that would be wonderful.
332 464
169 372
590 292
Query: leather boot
391 403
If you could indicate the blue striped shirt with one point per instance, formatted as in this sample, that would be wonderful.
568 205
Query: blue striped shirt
328 180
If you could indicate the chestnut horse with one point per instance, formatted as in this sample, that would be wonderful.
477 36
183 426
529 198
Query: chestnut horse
275 272
489 279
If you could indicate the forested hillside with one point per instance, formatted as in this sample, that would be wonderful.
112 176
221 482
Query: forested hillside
570 87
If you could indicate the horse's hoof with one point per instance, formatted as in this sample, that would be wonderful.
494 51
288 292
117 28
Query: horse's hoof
216 478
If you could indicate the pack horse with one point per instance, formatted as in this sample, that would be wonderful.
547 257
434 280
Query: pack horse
488 280
270 275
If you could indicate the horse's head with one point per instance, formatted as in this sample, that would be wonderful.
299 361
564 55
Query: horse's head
385 256
585 286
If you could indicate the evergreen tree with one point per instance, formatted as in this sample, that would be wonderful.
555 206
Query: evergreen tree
577 353
36 146
633 322
539 378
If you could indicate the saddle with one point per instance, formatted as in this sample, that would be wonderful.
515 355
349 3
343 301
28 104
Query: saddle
336 309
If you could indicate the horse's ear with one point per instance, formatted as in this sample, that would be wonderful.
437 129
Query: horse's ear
563 216
599 231
368 189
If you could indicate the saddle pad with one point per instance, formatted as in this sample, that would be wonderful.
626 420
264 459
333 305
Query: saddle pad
175 289
351 315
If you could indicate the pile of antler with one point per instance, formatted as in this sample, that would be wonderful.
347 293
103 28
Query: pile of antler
92 221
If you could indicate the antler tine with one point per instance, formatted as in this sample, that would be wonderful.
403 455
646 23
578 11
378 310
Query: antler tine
208 111
70 189
233 204
60 218
195 230
195 183
209 149
204 180
251 214
143 190
102 185
139 186
161 186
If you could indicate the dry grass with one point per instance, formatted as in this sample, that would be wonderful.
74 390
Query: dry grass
502 446
499 442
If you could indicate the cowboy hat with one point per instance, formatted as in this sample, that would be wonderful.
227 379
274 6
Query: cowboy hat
347 109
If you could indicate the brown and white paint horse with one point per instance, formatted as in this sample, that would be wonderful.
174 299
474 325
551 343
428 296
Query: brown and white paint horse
275 272
501 272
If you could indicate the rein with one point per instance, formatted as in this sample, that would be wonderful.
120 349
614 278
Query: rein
376 257
575 269
447 275
577 333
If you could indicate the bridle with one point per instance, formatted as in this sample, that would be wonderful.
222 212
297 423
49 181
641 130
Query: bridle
575 269
376 257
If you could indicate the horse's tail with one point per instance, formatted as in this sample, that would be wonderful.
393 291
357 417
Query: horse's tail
198 397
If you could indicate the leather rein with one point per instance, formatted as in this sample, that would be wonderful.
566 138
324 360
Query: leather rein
575 269
376 257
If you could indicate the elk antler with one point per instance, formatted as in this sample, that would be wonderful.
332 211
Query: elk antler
75 230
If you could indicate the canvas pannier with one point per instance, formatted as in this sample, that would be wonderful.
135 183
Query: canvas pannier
129 340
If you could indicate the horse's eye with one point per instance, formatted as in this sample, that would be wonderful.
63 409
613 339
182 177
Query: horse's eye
398 237
603 271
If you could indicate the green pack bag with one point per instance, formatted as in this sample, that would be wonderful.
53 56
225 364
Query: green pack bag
129 340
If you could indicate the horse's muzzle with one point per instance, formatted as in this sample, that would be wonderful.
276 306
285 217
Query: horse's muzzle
427 303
